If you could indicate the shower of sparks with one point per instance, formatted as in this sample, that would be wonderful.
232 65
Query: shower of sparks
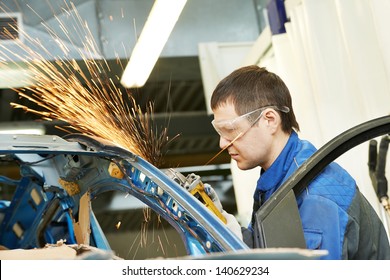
88 102
81 94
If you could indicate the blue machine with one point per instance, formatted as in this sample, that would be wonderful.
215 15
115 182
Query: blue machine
58 174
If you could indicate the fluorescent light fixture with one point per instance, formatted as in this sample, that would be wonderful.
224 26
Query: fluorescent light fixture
154 35
35 131
22 128
15 75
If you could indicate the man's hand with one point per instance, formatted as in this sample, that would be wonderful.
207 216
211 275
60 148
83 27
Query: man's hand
214 197
231 221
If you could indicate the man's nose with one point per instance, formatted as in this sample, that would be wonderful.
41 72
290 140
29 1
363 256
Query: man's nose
223 142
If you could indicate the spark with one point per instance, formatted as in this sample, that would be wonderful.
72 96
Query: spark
224 148
89 102
144 226
161 245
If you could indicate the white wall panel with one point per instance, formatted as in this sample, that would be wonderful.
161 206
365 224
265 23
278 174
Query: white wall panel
365 56
217 60
380 13
332 81
369 76
292 72
244 182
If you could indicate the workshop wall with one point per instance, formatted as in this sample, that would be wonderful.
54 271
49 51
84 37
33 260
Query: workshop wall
334 57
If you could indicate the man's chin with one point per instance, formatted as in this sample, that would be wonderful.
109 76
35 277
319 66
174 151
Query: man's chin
242 166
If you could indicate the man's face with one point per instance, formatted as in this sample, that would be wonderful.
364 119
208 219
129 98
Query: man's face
251 144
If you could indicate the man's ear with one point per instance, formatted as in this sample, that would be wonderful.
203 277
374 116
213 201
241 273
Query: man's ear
272 119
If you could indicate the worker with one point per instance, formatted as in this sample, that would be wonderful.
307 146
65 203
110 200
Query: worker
254 117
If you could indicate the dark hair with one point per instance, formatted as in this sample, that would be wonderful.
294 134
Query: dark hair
253 87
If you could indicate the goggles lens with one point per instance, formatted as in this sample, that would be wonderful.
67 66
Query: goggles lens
235 128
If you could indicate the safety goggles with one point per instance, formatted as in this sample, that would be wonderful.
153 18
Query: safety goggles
233 129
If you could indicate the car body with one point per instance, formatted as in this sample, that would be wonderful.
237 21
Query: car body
57 174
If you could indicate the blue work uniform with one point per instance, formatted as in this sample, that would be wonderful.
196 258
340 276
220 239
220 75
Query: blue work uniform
335 215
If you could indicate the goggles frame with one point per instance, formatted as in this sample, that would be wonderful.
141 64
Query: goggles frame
228 129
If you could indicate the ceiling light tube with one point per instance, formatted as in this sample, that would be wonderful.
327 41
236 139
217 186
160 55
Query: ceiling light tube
32 131
22 128
154 35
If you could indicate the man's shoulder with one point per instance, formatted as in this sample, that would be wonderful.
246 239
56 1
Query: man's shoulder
336 184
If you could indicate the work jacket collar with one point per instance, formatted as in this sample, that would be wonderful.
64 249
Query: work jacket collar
272 178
